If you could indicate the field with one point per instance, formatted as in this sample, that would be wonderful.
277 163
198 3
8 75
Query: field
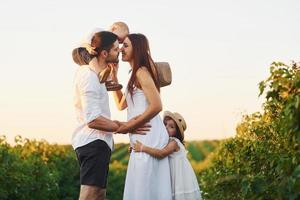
261 162
39 170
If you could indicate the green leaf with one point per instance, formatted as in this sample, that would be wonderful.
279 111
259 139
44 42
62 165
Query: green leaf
296 172
261 87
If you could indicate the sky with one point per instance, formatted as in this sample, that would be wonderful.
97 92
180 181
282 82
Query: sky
218 52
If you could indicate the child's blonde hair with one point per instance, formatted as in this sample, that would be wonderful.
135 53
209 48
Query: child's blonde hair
120 25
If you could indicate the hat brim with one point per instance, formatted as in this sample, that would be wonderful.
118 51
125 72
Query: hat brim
172 116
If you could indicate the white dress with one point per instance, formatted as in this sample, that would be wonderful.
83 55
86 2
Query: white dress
183 179
147 178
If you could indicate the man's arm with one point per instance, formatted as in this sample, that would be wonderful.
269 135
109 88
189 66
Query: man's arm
171 147
103 124
92 109
141 130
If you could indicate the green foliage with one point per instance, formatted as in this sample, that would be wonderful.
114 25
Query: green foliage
116 180
195 154
120 157
263 160
38 170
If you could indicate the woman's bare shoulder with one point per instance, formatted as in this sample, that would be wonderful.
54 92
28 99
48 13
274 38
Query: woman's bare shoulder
142 71
143 74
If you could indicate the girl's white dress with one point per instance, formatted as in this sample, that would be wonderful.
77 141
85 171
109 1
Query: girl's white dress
147 178
183 179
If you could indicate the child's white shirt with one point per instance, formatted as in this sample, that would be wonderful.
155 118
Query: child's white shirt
183 179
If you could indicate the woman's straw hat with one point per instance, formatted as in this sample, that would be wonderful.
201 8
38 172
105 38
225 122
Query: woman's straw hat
179 120
164 73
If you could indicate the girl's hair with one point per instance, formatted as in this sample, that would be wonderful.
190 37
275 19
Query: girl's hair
141 58
178 134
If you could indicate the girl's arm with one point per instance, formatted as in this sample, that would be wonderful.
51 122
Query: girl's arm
171 147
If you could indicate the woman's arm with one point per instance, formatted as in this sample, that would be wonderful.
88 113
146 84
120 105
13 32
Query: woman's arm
171 147
103 124
119 97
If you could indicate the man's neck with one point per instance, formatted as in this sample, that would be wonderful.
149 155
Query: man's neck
97 65
101 65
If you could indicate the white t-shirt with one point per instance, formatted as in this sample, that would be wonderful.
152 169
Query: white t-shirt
90 101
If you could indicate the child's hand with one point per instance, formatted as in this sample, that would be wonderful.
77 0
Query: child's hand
90 49
130 149
138 146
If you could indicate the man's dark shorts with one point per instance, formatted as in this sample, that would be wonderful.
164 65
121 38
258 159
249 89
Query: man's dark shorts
94 160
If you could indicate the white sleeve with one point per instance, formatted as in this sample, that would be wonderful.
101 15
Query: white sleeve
89 97
88 37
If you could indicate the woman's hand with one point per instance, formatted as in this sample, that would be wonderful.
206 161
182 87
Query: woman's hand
124 127
130 127
142 130
138 146
127 127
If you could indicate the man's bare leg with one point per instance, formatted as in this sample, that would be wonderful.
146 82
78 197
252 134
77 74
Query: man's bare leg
92 193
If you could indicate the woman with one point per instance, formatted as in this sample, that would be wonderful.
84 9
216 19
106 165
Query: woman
147 178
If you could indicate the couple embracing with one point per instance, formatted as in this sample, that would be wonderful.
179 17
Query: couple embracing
147 178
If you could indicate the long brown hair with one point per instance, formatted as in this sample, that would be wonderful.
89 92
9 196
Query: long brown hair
141 58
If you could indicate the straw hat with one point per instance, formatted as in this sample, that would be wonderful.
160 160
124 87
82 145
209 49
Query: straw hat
179 120
164 73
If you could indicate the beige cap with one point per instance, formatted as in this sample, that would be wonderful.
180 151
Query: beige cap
179 120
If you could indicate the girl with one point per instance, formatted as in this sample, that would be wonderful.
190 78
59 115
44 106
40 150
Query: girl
183 179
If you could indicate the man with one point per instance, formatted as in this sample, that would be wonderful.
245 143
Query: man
85 54
92 139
